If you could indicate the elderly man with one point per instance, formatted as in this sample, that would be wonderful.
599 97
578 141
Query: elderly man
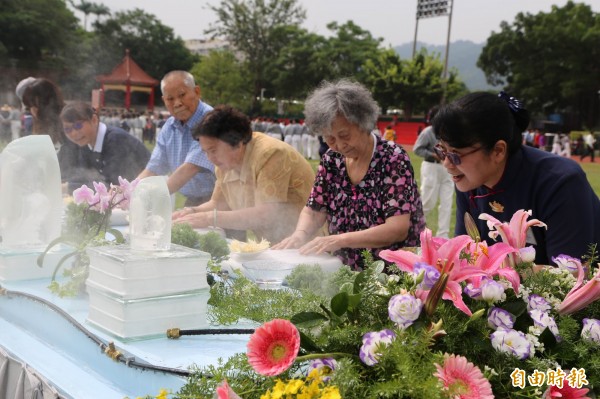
176 152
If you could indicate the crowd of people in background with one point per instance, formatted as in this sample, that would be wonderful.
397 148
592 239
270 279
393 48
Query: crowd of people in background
561 144
292 131
242 175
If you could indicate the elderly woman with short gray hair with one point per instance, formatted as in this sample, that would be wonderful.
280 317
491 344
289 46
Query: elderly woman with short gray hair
365 187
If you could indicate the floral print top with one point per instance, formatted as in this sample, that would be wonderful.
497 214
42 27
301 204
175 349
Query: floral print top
387 189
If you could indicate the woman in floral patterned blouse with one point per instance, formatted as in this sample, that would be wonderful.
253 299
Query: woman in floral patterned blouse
365 187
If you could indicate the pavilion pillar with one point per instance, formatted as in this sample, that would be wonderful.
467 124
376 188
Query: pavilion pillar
128 95
151 99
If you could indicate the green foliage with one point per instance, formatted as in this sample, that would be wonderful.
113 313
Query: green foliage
332 324
300 65
249 25
229 301
566 42
223 80
81 228
35 32
348 49
152 44
211 242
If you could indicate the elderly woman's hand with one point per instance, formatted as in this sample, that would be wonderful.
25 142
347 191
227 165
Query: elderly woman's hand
181 213
321 245
196 220
296 240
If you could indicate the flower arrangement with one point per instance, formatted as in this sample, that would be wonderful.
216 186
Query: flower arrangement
460 319
86 223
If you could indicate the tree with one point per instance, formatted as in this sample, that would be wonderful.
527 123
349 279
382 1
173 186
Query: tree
413 85
348 49
549 60
100 10
36 30
152 45
300 65
221 78
382 77
250 25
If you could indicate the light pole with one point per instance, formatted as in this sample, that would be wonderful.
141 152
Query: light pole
262 94
431 9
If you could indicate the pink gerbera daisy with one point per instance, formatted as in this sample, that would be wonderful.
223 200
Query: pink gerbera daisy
273 347
462 379
566 392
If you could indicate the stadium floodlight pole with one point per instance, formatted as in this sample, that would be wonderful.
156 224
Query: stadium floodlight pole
415 39
430 9
445 73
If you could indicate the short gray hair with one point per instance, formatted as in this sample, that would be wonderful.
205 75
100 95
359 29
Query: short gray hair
344 98
188 79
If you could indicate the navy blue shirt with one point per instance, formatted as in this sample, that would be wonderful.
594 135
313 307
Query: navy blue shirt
557 192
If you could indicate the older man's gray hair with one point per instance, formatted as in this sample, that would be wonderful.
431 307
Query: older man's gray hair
344 98
188 79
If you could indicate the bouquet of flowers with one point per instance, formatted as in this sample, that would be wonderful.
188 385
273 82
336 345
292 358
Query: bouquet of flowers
86 223
459 319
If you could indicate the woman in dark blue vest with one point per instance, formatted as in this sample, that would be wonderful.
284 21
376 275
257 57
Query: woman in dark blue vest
481 147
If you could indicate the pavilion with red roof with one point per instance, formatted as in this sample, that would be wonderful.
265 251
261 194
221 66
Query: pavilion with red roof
129 77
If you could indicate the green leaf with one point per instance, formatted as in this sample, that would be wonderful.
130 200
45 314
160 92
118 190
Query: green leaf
56 241
308 319
354 300
378 267
339 303
118 235
359 282
308 344
62 261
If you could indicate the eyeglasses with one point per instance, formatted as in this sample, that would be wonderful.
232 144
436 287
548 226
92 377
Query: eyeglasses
453 157
74 126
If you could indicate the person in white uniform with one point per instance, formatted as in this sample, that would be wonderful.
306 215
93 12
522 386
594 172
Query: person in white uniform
436 183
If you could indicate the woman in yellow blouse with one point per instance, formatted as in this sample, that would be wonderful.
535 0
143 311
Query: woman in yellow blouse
262 183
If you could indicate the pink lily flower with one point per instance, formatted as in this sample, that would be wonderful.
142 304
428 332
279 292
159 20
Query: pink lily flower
513 233
581 295
444 255
490 259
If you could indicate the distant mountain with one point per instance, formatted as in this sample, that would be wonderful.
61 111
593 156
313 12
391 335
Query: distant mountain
463 56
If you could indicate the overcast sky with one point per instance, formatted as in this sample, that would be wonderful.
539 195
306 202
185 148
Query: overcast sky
394 21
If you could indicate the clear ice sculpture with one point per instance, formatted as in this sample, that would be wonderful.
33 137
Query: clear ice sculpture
150 215
30 193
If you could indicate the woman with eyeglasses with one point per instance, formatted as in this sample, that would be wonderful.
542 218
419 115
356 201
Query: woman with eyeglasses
480 144
365 188
104 152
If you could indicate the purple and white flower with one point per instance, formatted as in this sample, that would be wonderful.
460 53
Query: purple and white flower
472 291
500 319
567 262
511 342
372 344
492 291
527 254
544 320
327 364
430 275
591 330
404 309
537 302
